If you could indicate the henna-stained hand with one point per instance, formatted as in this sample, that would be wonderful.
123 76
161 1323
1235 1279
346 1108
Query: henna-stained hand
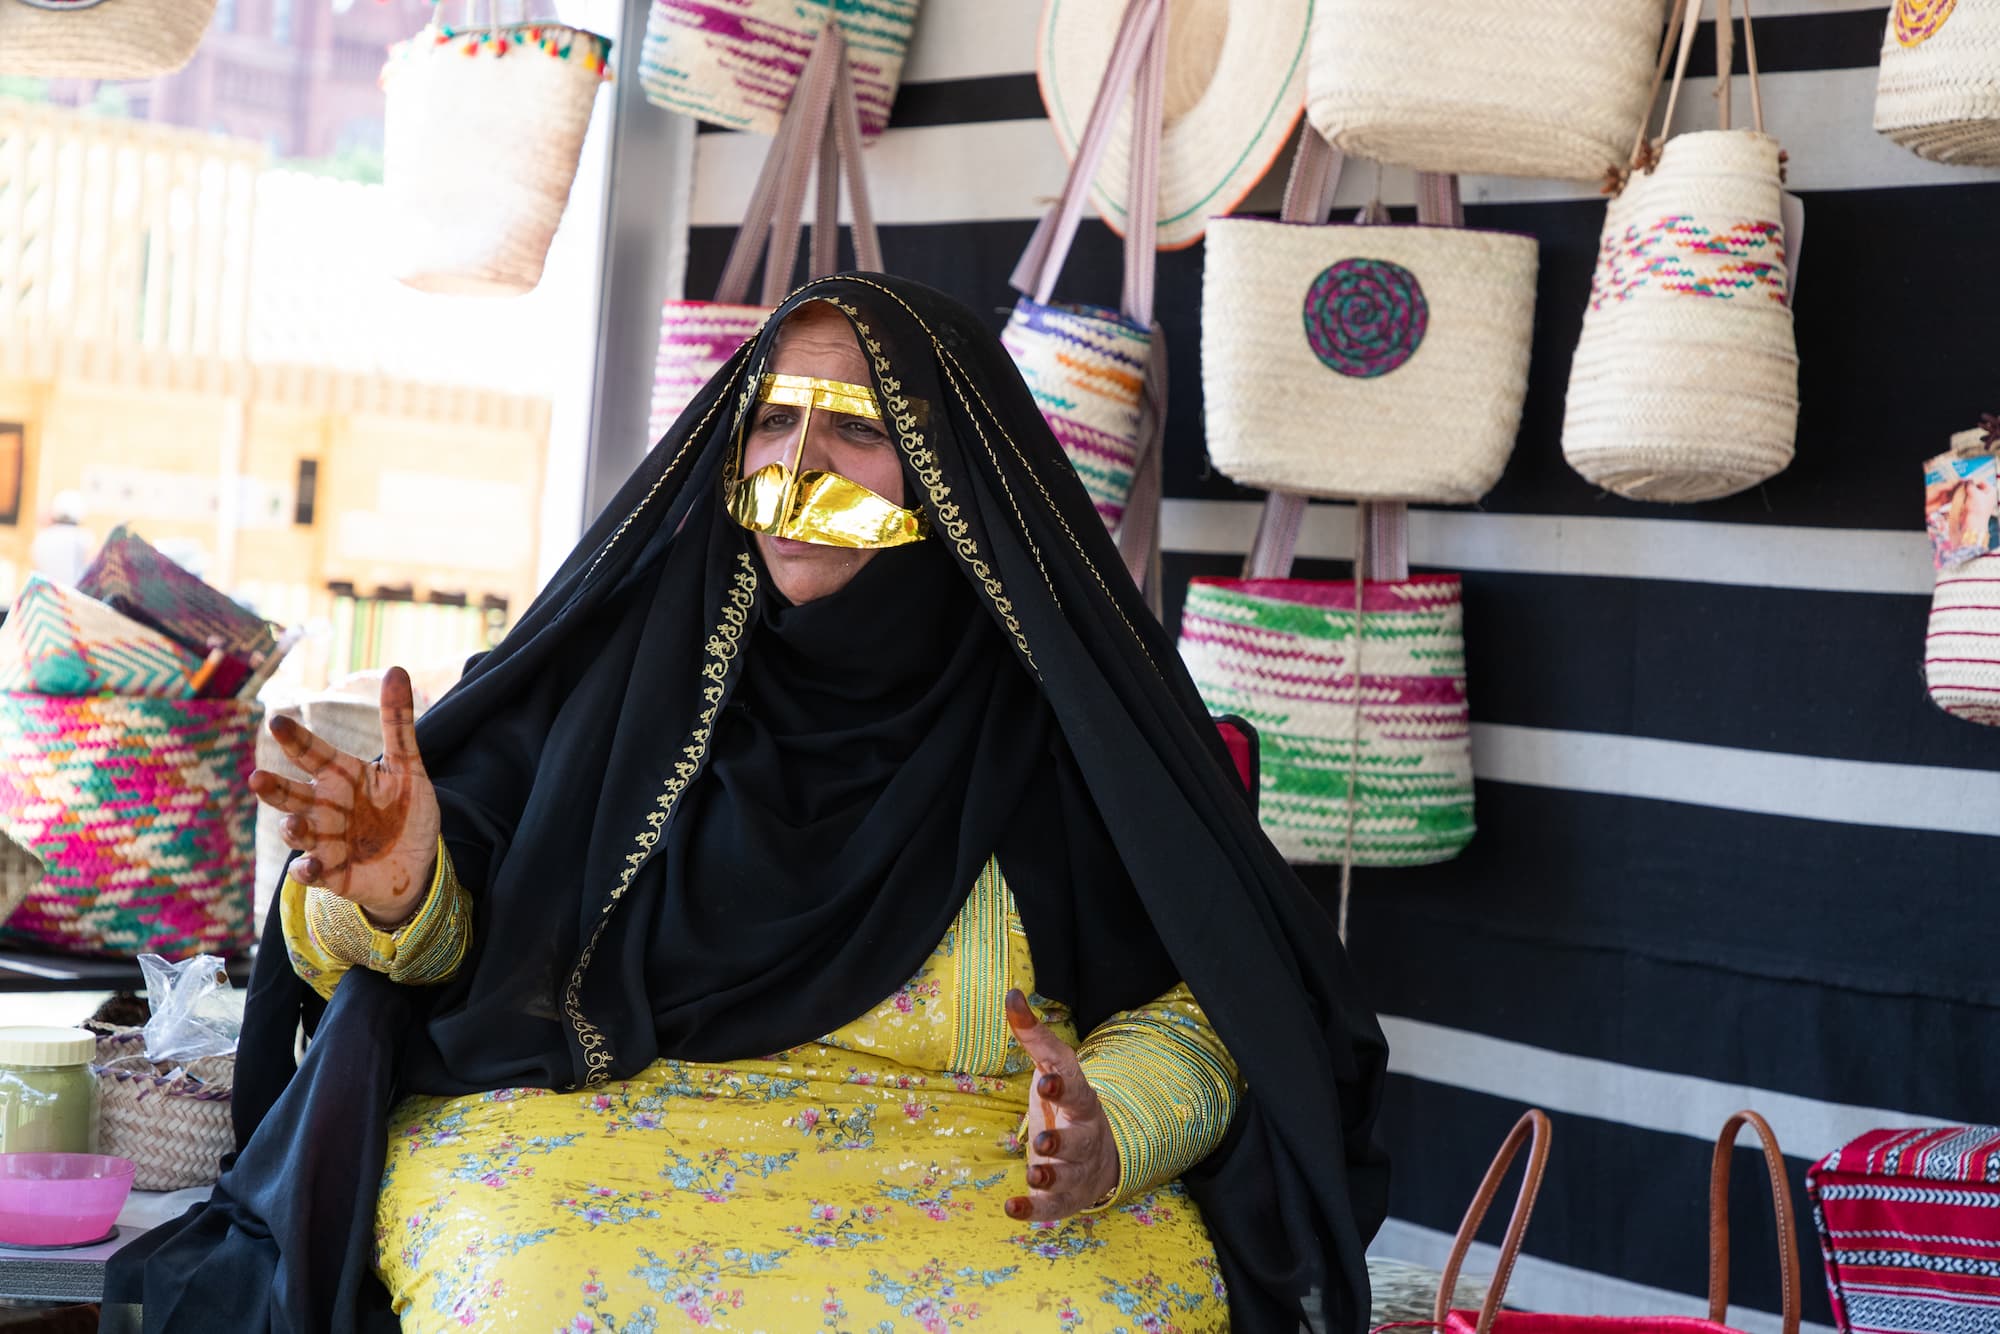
1072 1158
366 831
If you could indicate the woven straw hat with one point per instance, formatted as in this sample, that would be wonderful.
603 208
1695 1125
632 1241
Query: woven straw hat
100 39
1236 82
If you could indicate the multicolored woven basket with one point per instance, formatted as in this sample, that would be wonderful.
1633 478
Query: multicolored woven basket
1280 653
141 811
1086 367
696 337
734 63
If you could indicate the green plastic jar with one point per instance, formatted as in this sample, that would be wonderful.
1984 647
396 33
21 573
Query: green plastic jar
48 1096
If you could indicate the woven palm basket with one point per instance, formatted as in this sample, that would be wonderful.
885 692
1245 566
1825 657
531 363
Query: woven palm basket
1365 362
1685 384
1938 91
1526 88
171 1120
1962 648
101 39
482 133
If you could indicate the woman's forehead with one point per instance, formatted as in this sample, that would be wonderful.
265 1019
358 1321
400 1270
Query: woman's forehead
817 340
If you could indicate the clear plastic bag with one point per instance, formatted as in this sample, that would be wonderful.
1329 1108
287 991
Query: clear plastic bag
195 1012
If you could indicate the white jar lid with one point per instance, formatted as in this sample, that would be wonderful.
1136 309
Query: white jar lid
47 1046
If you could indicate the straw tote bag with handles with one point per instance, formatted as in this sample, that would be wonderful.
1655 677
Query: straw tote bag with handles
1376 362
696 337
1522 88
1938 90
1099 375
100 39
1533 1130
1685 382
482 130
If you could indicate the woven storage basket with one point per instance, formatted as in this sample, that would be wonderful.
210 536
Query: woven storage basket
1521 88
142 813
735 62
1938 89
1280 654
1086 367
1365 362
1685 382
482 133
100 39
171 1120
1962 648
696 337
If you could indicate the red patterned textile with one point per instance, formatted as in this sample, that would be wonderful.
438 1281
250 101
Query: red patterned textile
1909 1227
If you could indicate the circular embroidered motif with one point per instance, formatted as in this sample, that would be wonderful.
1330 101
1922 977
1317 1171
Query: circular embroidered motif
1366 317
1917 21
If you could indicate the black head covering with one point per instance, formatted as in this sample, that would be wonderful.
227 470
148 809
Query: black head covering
701 822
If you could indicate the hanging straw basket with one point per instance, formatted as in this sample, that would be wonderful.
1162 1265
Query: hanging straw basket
1372 362
100 39
1962 648
1685 384
482 133
1525 88
171 1120
1938 90
142 812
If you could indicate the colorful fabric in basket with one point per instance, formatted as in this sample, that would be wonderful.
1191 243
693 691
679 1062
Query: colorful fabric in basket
1909 1228
142 813
133 577
1280 653
59 642
1086 367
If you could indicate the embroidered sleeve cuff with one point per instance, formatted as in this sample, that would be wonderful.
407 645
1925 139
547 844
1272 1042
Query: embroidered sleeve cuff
425 950
1168 1087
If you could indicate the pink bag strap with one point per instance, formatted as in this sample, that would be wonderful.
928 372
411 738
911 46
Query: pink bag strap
1138 58
1718 1219
1532 1129
821 124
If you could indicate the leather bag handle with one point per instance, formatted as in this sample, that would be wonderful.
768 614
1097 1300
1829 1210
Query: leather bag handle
1718 1219
1533 1130
821 124
1138 61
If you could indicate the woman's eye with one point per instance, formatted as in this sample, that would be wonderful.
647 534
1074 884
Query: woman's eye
860 428
777 419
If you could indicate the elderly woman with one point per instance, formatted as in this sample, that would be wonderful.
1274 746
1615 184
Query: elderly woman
829 909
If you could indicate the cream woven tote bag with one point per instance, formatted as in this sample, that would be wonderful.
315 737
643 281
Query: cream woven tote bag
1365 362
1938 91
1498 87
1684 386
481 134
100 39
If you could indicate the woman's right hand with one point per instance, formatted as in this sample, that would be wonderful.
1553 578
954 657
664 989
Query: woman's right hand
366 831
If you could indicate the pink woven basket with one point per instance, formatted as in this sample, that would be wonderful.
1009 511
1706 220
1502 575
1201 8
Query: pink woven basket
140 810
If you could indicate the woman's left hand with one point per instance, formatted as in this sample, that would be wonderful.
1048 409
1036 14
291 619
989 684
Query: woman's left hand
1072 1159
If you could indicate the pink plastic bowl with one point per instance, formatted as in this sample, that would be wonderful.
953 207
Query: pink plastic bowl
60 1199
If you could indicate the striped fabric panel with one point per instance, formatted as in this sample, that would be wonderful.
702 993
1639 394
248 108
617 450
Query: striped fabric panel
1086 367
1280 653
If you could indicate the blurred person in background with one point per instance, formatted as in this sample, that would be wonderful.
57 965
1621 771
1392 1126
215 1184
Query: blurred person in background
62 550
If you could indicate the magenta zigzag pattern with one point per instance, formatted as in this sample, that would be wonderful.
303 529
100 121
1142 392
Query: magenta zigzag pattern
1681 256
696 337
140 810
735 62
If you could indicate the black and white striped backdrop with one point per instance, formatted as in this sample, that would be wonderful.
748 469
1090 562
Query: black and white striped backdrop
1728 852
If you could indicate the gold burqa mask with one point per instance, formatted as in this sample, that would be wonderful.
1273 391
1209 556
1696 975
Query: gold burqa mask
816 506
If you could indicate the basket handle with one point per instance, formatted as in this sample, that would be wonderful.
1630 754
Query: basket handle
1137 63
1682 24
1534 1130
1718 1220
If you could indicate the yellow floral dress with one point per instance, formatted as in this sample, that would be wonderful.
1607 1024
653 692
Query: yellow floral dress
854 1184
